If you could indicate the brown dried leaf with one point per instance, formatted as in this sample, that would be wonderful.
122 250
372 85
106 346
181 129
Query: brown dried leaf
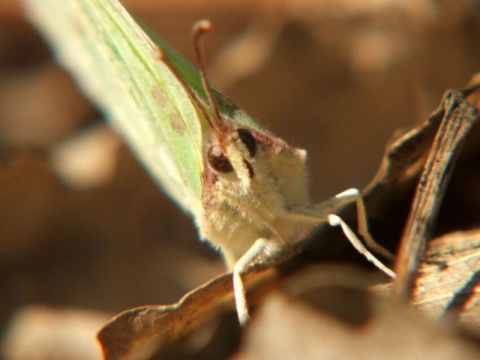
139 333
458 118
325 313
448 280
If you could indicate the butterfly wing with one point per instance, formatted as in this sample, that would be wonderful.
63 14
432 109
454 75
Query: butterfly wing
119 68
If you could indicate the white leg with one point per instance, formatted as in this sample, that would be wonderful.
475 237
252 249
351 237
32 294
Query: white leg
319 212
261 246
324 212
351 195
335 220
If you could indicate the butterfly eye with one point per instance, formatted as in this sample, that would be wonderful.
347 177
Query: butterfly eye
248 140
217 160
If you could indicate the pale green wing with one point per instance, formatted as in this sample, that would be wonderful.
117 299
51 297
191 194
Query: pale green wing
117 66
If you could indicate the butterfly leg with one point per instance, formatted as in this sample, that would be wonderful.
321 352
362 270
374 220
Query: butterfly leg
325 210
262 247
353 195
335 220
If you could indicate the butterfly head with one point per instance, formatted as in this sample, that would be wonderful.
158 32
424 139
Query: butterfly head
232 153
232 149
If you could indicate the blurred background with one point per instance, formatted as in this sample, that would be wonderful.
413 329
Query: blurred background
84 232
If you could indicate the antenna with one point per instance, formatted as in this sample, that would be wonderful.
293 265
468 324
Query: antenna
200 28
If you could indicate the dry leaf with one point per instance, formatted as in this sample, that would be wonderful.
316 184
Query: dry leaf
138 333
325 313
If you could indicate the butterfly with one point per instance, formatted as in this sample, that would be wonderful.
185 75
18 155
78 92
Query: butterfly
246 188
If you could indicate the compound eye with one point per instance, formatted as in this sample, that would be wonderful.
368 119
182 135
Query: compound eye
217 160
248 140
